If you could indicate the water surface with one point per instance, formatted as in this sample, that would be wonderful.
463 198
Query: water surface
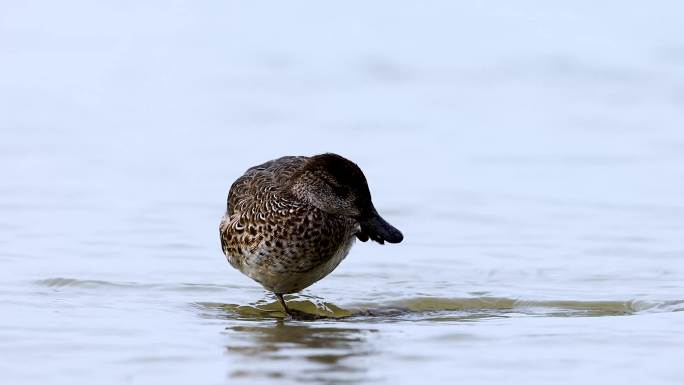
532 155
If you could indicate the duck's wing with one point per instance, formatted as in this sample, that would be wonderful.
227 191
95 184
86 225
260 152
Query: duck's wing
251 197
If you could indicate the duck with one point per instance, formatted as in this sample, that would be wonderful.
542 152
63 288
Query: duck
289 222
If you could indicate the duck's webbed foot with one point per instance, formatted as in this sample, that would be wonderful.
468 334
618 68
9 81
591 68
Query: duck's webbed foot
302 316
296 314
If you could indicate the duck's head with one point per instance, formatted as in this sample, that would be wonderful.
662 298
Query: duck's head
336 185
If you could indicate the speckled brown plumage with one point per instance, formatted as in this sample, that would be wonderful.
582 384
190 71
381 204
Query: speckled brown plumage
291 221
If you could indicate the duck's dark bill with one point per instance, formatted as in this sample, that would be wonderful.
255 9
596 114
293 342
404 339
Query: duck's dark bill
379 230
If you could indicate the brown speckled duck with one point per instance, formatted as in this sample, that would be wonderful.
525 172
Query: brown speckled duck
292 220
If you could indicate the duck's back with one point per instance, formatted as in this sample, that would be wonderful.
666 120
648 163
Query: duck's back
274 238
260 184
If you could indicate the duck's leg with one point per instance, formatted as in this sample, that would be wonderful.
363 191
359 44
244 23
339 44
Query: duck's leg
282 302
293 313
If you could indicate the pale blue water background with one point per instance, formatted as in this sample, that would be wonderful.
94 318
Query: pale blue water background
531 152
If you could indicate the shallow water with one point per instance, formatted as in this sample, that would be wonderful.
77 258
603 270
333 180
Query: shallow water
532 155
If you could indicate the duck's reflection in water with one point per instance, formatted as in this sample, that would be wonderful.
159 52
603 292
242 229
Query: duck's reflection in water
301 352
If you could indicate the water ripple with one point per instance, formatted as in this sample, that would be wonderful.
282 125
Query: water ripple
436 309
60 282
